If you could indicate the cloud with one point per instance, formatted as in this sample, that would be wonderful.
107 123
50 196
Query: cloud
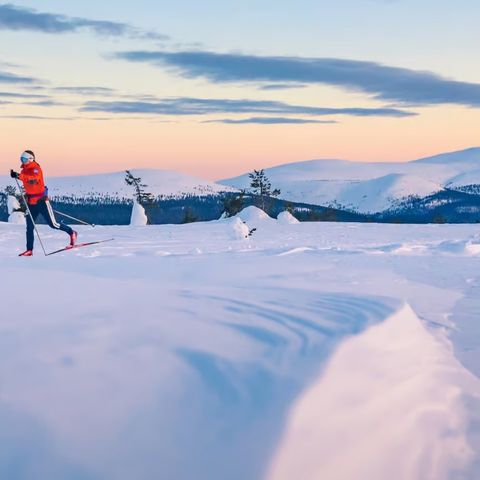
380 81
281 86
16 95
36 117
45 103
6 77
85 90
202 106
20 18
269 121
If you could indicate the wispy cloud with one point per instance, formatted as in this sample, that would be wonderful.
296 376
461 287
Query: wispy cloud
45 103
282 86
203 106
85 91
20 18
21 96
36 117
381 81
269 121
7 77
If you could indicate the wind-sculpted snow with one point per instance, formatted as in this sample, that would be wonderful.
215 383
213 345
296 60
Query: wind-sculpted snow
183 352
388 365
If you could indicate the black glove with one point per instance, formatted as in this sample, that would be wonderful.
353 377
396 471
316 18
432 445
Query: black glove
14 174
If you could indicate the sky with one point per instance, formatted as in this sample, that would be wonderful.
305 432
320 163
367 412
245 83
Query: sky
216 88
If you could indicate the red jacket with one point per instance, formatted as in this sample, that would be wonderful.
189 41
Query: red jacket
32 178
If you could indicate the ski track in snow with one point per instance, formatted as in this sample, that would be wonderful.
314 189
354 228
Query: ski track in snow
180 352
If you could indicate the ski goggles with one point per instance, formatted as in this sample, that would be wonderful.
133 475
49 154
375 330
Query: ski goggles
25 158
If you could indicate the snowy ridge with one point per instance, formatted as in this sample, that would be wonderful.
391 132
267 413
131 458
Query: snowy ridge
369 187
385 192
465 179
159 182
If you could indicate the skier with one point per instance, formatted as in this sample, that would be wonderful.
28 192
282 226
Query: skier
37 200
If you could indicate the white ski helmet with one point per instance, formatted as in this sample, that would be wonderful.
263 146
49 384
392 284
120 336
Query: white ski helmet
27 156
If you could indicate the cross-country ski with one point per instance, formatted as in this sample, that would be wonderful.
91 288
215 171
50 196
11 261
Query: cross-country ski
79 245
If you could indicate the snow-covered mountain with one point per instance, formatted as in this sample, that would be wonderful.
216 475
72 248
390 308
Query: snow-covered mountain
381 193
381 188
370 187
465 179
158 182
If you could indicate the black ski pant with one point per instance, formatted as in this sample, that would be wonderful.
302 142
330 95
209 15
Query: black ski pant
44 209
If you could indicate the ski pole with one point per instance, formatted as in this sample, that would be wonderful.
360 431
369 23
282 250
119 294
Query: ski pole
31 217
73 218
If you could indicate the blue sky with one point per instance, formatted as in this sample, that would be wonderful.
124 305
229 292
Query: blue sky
341 72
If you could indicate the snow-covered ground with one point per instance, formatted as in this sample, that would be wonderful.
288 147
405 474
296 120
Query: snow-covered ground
309 351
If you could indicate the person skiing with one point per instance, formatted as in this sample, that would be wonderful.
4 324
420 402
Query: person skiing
38 203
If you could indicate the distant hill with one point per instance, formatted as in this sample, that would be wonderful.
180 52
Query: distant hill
442 188
163 183
373 188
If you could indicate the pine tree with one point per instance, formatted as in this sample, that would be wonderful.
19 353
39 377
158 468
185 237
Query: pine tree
189 216
261 186
233 204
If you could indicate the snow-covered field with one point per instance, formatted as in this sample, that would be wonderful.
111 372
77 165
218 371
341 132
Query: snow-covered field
306 351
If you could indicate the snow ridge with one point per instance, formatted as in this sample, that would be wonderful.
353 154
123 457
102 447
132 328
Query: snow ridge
424 384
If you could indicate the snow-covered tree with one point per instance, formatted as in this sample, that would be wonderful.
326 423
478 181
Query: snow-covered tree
142 199
138 217
15 212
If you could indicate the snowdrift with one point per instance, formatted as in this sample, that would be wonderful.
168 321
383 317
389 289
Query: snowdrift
398 391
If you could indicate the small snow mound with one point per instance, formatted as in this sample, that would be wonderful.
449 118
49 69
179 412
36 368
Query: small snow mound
293 251
472 248
238 229
252 215
138 218
17 218
452 246
287 217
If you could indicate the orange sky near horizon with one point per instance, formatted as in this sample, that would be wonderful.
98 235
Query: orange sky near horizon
216 151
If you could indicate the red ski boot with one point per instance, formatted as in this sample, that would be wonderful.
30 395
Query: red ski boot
73 238
26 253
